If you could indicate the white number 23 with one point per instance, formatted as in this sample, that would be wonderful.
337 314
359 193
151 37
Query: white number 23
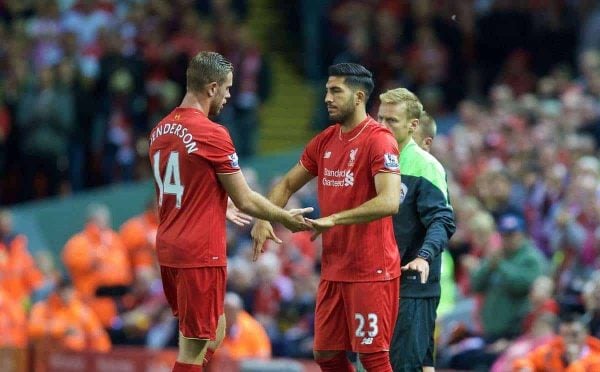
372 319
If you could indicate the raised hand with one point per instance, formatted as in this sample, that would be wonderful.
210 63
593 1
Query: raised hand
236 216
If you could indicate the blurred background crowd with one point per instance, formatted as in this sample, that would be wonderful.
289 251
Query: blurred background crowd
513 85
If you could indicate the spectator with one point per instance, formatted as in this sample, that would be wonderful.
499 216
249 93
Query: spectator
504 279
245 337
13 322
572 350
64 320
541 300
19 275
45 116
540 333
138 235
97 261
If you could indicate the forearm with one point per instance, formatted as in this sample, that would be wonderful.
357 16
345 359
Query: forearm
437 236
258 206
280 194
378 207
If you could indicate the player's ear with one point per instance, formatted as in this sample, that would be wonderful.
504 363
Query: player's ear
212 88
360 97
412 125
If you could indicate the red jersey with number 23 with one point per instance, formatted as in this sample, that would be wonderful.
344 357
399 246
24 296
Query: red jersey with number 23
187 151
346 164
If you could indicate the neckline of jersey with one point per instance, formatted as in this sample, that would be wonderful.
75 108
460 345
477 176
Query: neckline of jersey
179 108
354 133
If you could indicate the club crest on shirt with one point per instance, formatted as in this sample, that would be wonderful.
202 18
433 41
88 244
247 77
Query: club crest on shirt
390 161
234 160
352 157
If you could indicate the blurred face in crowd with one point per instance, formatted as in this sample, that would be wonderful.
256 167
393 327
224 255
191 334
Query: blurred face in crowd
573 334
512 241
5 223
341 100
394 117
541 289
221 94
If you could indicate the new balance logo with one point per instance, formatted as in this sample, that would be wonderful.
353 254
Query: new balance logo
367 341
327 155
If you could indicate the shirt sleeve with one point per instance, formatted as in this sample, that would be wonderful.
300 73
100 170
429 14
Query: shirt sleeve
218 149
384 153
310 155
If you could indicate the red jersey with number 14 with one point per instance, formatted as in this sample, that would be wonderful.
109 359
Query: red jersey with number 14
187 151
346 164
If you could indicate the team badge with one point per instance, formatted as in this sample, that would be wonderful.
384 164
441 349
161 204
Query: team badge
352 157
234 160
390 161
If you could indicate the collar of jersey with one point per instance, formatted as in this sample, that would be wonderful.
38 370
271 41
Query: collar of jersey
354 133
189 109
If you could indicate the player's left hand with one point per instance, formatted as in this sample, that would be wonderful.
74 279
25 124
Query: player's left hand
234 215
419 265
320 225
261 232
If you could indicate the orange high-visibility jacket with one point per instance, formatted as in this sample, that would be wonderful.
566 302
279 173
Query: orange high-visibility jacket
138 234
248 340
73 324
19 275
13 322
97 258
548 357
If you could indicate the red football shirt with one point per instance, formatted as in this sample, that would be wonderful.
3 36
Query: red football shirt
187 151
345 164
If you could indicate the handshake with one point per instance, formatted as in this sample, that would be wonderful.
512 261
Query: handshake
293 220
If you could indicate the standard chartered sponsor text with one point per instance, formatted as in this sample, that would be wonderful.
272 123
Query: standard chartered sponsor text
340 178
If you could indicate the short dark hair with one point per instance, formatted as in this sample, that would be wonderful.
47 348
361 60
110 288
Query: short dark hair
428 125
205 68
356 76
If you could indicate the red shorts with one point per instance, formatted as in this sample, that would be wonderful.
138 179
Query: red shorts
196 297
357 316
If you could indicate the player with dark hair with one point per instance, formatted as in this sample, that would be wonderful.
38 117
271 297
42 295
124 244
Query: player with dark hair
356 164
195 168
423 227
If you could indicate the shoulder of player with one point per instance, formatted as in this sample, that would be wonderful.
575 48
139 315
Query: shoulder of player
325 134
376 129
417 162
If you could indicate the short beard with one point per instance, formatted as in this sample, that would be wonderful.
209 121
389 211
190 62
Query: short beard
344 113
214 110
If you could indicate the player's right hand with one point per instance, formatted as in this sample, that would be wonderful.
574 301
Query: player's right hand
261 232
296 221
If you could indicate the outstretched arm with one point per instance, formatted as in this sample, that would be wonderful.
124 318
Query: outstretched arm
254 204
297 177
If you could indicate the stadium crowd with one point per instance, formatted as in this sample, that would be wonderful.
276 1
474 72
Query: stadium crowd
521 156
83 82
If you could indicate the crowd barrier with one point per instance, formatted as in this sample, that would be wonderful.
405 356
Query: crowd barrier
47 358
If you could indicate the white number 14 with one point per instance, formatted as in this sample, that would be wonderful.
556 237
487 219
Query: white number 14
171 183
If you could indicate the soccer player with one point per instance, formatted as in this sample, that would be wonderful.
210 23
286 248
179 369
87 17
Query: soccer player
356 163
195 168
422 227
